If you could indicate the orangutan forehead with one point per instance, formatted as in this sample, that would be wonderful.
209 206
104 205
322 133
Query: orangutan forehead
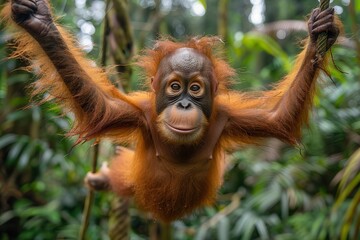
188 60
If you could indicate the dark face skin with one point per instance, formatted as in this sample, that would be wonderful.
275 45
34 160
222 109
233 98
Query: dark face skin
184 90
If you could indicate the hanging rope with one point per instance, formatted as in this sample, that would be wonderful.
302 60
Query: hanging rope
119 220
322 40
121 52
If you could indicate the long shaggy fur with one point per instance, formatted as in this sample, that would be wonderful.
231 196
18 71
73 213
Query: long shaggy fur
49 80
290 100
168 188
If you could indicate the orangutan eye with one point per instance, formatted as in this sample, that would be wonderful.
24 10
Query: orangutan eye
175 86
195 88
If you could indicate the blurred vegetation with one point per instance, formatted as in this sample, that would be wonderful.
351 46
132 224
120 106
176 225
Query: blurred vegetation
270 192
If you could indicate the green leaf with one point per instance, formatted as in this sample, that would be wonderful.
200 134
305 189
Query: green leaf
6 216
262 229
201 234
249 228
18 115
25 156
357 6
223 228
351 166
269 45
47 155
7 139
316 226
350 213
16 149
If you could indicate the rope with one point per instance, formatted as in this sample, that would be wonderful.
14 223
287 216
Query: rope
120 30
322 40
119 221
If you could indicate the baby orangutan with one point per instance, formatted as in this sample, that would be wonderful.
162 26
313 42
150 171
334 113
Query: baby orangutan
181 128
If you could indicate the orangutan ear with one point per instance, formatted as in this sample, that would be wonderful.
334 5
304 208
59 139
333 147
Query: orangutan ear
216 88
152 84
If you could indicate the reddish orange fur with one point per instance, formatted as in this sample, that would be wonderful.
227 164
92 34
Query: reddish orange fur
122 177
268 100
50 81
170 190
167 187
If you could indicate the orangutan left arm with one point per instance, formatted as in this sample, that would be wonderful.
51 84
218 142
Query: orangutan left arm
281 112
